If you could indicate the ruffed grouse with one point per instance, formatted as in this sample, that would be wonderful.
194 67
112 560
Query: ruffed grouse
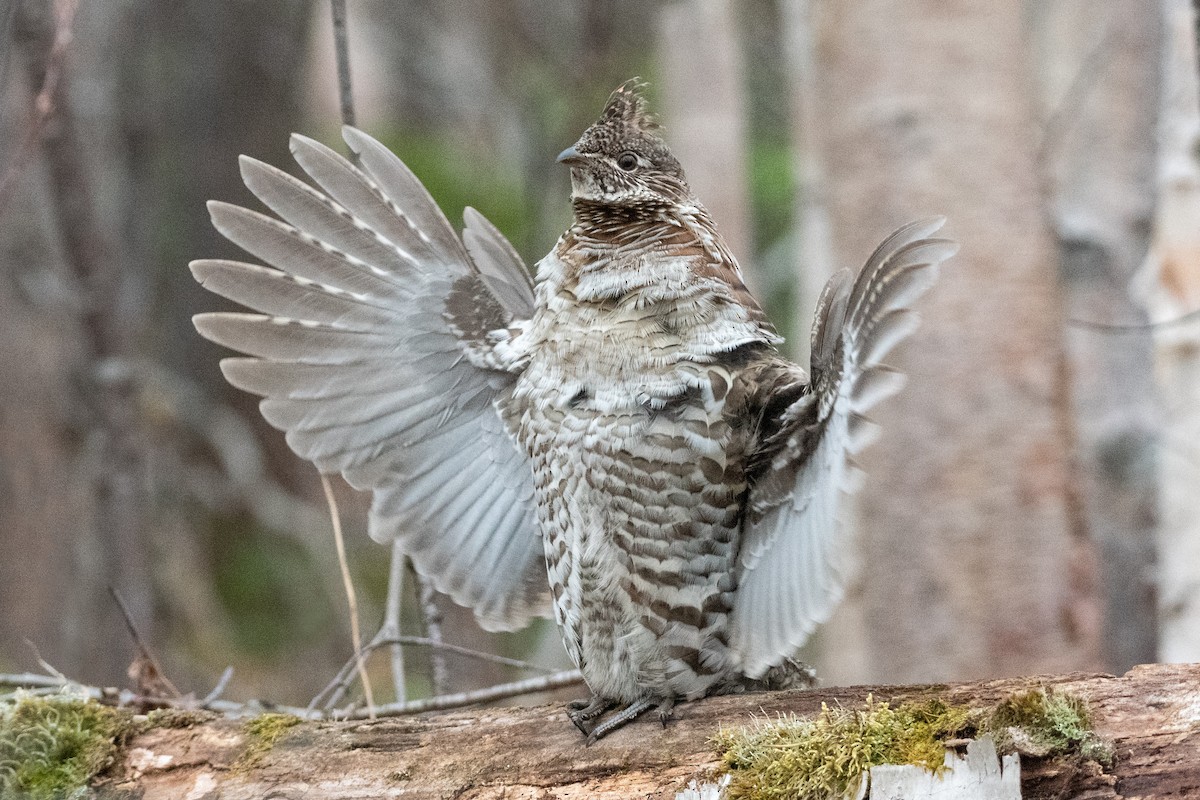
624 426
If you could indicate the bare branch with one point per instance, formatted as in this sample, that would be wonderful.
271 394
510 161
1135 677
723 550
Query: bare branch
341 46
351 597
500 692
219 689
391 620
145 671
491 693
45 664
1066 112
418 641
432 617
1135 327
28 679
46 101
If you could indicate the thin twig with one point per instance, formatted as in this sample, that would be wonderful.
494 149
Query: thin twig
391 620
44 664
461 699
383 639
24 679
543 683
341 46
145 656
46 691
419 641
46 102
336 689
1134 327
351 598
1067 112
432 615
219 689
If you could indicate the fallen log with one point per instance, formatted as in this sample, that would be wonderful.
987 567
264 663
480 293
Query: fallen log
1150 717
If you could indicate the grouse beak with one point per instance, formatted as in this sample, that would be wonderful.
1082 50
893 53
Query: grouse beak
569 156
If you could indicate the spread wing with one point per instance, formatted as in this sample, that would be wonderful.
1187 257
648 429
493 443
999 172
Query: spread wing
368 313
788 577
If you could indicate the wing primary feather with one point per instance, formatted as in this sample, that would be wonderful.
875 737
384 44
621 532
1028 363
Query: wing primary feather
789 573
357 356
308 210
297 253
355 191
407 195
279 294
501 268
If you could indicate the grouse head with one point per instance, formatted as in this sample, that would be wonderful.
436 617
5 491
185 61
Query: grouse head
621 160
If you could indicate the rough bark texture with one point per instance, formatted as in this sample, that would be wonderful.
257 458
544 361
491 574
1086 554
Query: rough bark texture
973 562
1151 716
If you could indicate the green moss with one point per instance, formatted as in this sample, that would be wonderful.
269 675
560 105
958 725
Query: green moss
262 732
1046 723
51 747
827 755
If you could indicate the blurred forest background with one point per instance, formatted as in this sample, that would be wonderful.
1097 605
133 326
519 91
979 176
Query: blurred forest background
1033 503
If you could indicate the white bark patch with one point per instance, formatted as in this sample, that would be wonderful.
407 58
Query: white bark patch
142 760
979 776
205 784
704 790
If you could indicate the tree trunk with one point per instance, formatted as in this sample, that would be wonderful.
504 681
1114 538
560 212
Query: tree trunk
74 434
973 558
704 110
1171 288
1149 716
1099 69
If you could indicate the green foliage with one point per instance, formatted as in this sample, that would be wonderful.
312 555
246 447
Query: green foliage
458 177
772 190
51 747
265 582
797 758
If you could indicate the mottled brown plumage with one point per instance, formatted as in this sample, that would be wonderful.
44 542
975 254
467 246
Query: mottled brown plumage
626 426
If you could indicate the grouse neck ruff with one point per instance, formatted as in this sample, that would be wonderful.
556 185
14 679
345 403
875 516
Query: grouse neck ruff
619 444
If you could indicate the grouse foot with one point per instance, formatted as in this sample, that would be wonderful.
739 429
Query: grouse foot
583 711
626 714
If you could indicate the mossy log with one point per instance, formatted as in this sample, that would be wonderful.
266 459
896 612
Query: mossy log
1150 717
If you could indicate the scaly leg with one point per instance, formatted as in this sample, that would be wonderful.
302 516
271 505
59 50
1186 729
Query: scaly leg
583 711
666 710
626 714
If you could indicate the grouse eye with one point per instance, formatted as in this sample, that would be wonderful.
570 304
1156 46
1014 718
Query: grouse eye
627 161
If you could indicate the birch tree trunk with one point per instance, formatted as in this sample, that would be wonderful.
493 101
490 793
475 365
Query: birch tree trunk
1170 284
1099 76
973 557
